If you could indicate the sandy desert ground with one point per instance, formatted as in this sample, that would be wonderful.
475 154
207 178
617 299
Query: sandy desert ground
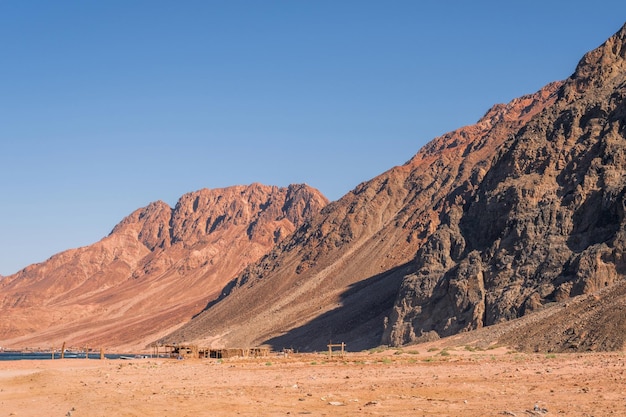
420 381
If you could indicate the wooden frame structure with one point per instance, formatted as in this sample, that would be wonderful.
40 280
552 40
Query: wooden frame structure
196 352
341 345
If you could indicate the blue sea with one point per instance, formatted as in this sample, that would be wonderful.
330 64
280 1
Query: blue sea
14 356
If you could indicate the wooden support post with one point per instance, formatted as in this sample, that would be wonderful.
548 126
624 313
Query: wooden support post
63 351
52 349
101 353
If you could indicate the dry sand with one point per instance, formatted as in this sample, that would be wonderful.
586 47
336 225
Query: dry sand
409 382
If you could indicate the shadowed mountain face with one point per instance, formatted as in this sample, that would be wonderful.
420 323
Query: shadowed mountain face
485 224
157 268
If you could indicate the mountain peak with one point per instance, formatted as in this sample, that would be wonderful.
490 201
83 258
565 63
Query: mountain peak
543 225
601 65
158 267
484 224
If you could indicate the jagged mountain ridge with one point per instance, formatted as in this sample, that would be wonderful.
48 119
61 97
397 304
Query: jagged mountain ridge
545 224
158 267
484 224
341 273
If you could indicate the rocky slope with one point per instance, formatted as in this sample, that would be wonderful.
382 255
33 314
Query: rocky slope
485 224
338 277
546 222
519 215
587 322
156 269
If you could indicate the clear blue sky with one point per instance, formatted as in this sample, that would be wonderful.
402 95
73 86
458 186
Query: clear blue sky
106 106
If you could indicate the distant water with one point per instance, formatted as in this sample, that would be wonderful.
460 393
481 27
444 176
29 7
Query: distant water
15 356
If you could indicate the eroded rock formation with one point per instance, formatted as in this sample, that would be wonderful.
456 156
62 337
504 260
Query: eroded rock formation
545 223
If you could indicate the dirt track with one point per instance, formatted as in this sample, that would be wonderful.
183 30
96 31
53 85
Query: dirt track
453 382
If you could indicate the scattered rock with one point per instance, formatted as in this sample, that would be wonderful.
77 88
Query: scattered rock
537 411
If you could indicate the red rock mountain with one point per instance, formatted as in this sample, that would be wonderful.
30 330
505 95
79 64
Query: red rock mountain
485 224
518 218
156 269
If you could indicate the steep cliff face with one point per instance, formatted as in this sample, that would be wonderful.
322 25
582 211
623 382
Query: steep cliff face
157 268
545 223
338 277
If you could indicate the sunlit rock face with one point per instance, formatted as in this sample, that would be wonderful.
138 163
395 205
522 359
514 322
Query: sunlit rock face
157 268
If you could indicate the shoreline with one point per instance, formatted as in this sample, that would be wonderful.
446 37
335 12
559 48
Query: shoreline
13 355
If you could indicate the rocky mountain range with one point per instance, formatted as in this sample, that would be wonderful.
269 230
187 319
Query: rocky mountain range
156 269
519 216
339 277
485 224
544 224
